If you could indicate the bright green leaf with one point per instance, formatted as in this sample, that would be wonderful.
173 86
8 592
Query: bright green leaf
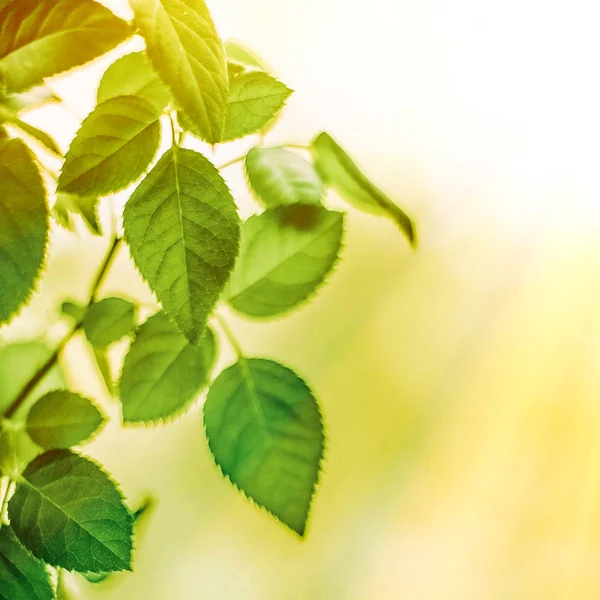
340 172
103 364
279 176
109 320
285 255
114 146
62 419
265 432
9 116
163 372
22 577
41 38
68 206
184 48
182 227
255 98
133 75
17 450
70 514
241 55
23 225
234 69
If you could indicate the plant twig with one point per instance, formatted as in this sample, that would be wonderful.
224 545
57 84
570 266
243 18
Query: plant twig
229 335
232 162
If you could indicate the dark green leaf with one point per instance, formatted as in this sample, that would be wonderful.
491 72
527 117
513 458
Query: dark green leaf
255 98
340 172
279 176
184 48
265 432
62 419
133 75
9 116
109 320
163 372
285 255
114 146
22 577
70 514
183 229
41 38
23 225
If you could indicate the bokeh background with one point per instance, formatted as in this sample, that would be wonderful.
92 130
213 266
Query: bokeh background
461 383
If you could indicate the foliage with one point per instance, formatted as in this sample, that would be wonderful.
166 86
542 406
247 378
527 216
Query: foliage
264 425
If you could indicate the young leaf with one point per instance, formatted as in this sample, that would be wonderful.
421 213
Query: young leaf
114 146
23 225
241 55
9 116
70 514
340 172
279 176
285 255
41 38
109 320
133 75
265 432
23 577
62 419
67 206
183 229
255 98
184 48
163 372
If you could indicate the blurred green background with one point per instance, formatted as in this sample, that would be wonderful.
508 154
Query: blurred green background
460 384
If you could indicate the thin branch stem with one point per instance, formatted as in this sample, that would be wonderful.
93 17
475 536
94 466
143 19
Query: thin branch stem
296 147
229 334
5 499
174 136
232 162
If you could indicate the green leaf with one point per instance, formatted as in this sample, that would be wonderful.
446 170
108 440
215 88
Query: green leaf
23 225
286 254
31 99
62 419
133 75
9 116
75 310
23 577
238 53
102 362
339 171
17 450
254 100
114 146
279 176
234 69
70 514
163 372
41 38
183 230
109 320
185 50
68 206
265 432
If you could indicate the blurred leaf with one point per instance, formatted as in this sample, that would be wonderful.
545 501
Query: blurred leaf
23 577
17 450
184 48
234 69
23 225
41 38
255 98
163 372
31 99
285 255
279 176
340 172
62 419
75 310
109 320
68 206
101 360
9 116
62 491
114 146
182 226
133 75
265 432
238 53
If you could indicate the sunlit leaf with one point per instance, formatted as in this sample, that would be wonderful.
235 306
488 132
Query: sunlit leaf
9 116
238 53
17 450
31 99
67 206
109 320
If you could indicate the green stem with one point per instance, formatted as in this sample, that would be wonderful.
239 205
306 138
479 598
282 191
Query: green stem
232 162
174 136
297 147
5 498
47 366
229 334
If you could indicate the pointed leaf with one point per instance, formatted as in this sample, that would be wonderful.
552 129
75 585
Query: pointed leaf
68 206
163 372
285 255
9 116
133 75
339 171
279 176
103 364
23 577
109 320
255 98
62 419
114 146
23 225
184 48
183 229
238 53
41 38
70 514
265 432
